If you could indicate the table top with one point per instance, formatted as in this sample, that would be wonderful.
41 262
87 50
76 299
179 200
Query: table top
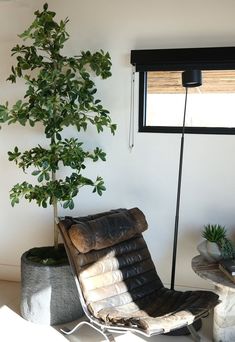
210 271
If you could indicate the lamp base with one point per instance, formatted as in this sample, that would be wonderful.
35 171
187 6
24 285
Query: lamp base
184 331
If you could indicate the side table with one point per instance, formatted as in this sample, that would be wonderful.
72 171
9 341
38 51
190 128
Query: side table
224 313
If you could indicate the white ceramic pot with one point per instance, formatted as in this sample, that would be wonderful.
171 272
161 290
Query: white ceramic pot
214 250
202 249
209 251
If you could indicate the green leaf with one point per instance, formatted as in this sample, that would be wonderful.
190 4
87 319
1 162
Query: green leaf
40 178
66 204
47 176
44 204
58 136
35 173
71 204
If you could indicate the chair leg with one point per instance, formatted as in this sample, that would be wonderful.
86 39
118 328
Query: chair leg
195 336
108 336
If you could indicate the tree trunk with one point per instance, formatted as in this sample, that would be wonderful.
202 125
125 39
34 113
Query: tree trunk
55 216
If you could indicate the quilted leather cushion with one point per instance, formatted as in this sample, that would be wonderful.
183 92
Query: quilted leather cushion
161 311
108 230
117 275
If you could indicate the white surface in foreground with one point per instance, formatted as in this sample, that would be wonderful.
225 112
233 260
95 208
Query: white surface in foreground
15 328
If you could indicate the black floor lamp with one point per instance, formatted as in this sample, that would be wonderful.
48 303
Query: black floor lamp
190 79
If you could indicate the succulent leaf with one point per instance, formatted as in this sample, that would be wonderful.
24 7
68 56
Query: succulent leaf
214 232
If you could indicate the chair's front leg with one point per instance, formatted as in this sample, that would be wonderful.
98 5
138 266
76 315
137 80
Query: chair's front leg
195 336
108 336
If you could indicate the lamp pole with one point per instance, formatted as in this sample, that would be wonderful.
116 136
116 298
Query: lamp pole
190 79
175 242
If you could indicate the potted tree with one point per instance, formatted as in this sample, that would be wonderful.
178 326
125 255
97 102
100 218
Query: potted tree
60 93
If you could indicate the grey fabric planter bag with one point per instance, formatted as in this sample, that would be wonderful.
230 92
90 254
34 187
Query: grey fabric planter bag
48 293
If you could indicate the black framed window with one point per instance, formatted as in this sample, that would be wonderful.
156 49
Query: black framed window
210 108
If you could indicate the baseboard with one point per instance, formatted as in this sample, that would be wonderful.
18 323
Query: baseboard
10 272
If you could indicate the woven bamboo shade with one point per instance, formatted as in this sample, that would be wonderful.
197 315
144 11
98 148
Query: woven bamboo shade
170 82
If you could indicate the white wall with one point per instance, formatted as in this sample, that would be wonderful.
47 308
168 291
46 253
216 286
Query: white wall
146 176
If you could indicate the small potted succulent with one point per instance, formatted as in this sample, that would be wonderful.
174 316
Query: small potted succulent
216 245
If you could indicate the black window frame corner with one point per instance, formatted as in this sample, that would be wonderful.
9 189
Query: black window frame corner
216 58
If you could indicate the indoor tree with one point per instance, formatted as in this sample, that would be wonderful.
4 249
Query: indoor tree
60 92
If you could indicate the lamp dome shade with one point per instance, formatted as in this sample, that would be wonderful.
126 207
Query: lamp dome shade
192 78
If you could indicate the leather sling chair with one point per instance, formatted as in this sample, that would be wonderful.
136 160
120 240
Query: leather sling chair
118 285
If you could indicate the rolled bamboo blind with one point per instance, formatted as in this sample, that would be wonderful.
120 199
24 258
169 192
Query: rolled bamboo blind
169 82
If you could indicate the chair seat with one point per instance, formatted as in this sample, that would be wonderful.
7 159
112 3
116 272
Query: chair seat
162 311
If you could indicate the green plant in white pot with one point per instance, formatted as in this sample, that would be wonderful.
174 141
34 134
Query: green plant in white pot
60 92
216 245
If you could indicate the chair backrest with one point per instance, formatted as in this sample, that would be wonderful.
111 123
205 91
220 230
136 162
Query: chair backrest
111 258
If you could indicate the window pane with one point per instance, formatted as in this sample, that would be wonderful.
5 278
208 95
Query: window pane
211 105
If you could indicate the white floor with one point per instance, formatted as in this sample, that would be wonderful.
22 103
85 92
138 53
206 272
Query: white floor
15 328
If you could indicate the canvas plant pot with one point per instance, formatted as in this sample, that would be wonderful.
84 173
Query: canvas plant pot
48 293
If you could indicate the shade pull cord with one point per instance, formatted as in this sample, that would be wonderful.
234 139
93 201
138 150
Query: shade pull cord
132 110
